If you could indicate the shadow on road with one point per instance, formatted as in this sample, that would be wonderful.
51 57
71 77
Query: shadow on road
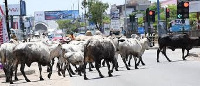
104 77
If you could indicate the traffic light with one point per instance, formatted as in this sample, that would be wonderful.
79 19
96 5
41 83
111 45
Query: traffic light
132 18
152 15
183 10
167 13
179 10
186 9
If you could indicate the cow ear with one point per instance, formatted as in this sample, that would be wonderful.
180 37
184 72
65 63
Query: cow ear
121 40
59 44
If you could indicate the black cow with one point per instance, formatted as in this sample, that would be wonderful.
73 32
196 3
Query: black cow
95 50
172 41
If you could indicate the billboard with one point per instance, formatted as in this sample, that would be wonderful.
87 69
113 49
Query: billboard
39 16
14 9
56 15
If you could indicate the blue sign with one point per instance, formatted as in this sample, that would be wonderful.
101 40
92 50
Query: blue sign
177 28
141 30
66 14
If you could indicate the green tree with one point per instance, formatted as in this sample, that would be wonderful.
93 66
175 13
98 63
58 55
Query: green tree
96 9
68 25
63 24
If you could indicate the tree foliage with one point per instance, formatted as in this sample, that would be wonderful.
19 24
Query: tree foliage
68 25
96 10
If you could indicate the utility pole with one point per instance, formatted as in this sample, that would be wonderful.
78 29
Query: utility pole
125 19
158 10
21 20
7 19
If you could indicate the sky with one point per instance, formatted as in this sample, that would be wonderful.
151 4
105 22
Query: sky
51 5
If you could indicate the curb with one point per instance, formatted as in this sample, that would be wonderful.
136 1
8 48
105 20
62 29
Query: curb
28 72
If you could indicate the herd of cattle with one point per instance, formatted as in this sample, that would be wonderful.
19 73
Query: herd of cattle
85 50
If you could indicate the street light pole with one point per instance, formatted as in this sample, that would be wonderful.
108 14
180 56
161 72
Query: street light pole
158 10
7 19
21 20
125 19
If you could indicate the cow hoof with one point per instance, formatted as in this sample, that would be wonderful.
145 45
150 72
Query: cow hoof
110 75
59 74
90 70
41 79
116 69
16 79
111 71
85 78
73 73
11 83
169 60
128 69
7 80
101 76
28 80
158 61
49 76
136 68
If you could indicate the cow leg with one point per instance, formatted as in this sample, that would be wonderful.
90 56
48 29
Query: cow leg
40 69
183 50
187 53
115 64
109 71
70 69
59 68
10 75
16 72
164 53
84 66
140 60
97 68
50 72
129 62
124 60
48 69
23 73
103 63
90 66
5 71
158 52
135 58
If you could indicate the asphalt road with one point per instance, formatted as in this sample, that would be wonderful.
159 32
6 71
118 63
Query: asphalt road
175 73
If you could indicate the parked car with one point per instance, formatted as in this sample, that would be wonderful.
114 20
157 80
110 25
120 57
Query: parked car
59 37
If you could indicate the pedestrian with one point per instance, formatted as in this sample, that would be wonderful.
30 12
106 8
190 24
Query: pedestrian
72 36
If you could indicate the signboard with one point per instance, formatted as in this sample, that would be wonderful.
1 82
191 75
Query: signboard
3 31
13 9
56 15
115 19
115 25
178 26
39 16
115 14
194 6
